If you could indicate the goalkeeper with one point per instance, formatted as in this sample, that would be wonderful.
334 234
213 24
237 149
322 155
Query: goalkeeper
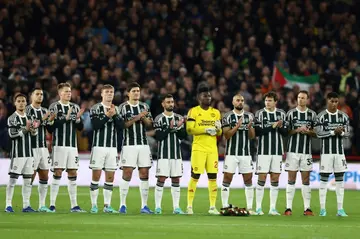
203 122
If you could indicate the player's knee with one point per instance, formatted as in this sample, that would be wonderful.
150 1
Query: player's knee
211 175
339 177
227 178
143 174
324 177
195 175
58 172
94 185
175 180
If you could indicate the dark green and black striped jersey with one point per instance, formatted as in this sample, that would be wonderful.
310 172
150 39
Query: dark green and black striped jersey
270 139
300 143
39 140
136 133
239 143
169 139
326 123
105 128
20 138
64 131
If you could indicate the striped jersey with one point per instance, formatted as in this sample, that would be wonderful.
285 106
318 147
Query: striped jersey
169 139
105 130
326 123
64 131
39 140
270 140
300 143
20 138
136 133
239 143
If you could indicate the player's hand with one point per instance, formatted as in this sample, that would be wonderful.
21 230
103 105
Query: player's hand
143 114
338 130
69 113
250 124
180 123
28 125
239 123
46 116
211 131
80 113
52 117
35 124
280 124
302 129
171 124
217 125
110 113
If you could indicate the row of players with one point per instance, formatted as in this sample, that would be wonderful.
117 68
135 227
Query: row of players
28 125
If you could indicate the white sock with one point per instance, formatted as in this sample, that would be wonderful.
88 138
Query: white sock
290 192
175 193
274 191
249 194
94 193
124 189
54 190
10 191
107 191
72 190
322 194
144 192
159 189
339 194
26 192
259 196
306 194
42 190
225 194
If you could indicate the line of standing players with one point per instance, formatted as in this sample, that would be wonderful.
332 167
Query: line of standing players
28 126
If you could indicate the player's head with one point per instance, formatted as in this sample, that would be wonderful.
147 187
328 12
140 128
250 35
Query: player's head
20 102
204 95
270 100
133 90
37 96
64 91
302 98
238 102
332 101
167 102
107 93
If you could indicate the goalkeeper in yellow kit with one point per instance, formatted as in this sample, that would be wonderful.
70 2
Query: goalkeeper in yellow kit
203 122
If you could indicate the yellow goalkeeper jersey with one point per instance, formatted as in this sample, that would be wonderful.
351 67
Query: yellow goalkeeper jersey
198 120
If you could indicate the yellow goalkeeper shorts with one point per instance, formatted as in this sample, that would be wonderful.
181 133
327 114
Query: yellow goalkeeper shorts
201 161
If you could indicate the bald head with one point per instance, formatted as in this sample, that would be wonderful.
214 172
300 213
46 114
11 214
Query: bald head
238 102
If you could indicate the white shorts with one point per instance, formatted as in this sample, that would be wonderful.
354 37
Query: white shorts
136 156
332 163
269 164
296 162
22 166
42 159
65 157
172 168
243 163
105 158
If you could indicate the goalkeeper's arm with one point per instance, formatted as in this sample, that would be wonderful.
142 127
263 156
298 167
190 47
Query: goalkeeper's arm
193 129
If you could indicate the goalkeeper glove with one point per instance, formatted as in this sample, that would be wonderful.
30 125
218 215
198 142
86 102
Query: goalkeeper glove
217 124
211 131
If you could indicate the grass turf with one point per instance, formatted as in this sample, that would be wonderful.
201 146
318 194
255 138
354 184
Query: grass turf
62 224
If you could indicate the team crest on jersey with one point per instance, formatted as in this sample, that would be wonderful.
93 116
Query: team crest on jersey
212 114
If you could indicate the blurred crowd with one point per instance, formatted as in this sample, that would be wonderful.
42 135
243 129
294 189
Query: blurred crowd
169 46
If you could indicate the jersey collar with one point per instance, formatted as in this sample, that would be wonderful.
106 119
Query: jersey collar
168 116
332 113
271 112
302 111
242 113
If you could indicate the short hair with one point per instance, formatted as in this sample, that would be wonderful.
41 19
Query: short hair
203 87
304 92
19 95
332 95
36 88
271 94
132 85
106 87
63 85
166 96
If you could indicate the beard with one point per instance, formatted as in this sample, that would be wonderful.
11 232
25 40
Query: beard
239 107
169 109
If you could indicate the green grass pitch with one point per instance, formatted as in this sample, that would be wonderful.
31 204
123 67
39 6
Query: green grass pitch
62 224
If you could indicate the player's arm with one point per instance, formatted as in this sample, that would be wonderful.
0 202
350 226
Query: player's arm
16 131
59 118
291 130
346 128
321 131
191 127
251 129
97 122
147 118
79 124
259 127
181 133
218 126
161 133
119 122
226 128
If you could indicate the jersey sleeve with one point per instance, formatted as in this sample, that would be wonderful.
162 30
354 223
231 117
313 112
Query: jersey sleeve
219 132
161 131
320 128
60 117
225 121
97 121
346 126
284 129
147 108
191 126
15 130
